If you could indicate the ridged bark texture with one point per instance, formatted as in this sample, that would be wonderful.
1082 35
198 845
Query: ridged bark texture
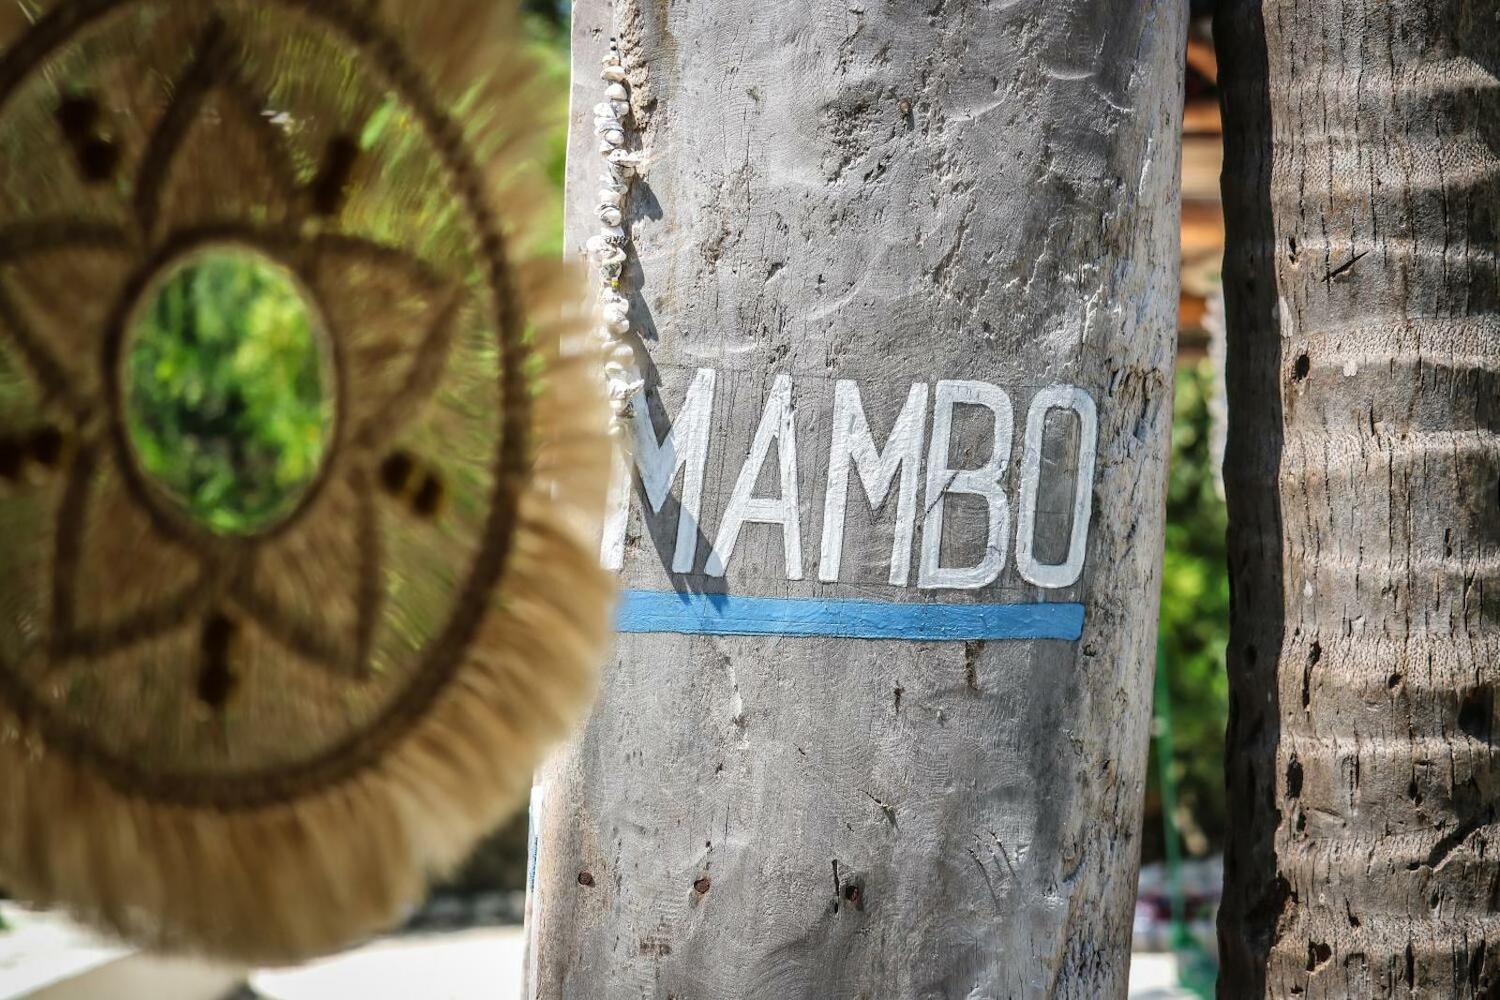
1361 189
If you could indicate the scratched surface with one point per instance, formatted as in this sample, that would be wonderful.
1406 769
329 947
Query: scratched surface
889 194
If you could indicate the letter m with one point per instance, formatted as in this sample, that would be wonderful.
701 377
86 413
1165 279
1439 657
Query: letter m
684 448
854 445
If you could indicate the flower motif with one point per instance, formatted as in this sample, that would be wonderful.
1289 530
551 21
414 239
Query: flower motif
214 171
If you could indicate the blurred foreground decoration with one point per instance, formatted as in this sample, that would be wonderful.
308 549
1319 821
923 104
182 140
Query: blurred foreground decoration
299 486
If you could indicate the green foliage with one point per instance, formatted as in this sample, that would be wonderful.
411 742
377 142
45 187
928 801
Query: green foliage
226 405
547 44
1194 625
225 391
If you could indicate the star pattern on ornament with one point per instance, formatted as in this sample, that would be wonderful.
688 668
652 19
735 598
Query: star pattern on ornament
213 172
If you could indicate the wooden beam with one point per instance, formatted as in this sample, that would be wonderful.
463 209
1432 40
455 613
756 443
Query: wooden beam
1202 227
1201 117
1202 162
1201 58
1190 311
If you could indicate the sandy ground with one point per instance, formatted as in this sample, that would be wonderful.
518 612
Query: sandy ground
462 965
1153 976
46 957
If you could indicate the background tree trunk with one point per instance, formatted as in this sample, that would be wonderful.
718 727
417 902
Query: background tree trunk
893 194
1362 187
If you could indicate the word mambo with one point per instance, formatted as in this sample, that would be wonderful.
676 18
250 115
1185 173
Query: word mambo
913 463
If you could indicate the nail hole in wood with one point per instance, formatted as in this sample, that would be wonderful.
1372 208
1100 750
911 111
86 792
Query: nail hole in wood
1301 367
854 896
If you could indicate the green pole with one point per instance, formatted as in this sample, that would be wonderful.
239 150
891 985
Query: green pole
1164 754
1196 970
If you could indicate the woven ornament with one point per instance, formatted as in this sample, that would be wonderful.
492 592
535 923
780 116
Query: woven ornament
254 696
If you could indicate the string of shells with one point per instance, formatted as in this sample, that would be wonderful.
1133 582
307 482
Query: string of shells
607 249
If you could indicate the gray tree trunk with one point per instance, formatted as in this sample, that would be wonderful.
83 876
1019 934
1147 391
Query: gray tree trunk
1362 193
951 226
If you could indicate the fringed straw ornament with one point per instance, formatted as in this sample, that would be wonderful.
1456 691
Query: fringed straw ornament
261 744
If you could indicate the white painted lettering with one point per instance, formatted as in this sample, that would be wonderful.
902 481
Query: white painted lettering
683 448
778 426
983 482
681 456
1078 402
854 445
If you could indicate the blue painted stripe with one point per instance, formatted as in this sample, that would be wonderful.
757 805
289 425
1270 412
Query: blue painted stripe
731 614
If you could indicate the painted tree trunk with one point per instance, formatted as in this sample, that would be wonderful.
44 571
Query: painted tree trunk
1362 193
907 283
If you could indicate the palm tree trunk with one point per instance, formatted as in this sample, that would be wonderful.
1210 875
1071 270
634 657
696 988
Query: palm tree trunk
1362 194
922 250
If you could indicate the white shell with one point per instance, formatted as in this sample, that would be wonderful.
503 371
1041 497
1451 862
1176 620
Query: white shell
614 371
622 374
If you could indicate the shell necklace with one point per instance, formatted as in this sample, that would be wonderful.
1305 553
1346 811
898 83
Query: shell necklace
622 373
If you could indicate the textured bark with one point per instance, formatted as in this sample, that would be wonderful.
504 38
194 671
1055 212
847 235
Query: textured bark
893 194
1361 191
